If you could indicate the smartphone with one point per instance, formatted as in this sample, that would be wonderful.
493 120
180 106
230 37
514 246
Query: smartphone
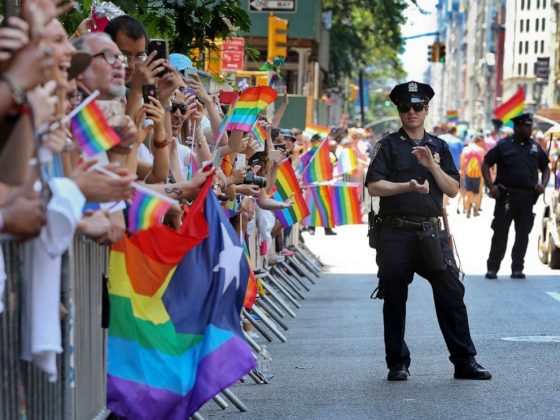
147 91
280 147
275 155
162 48
240 162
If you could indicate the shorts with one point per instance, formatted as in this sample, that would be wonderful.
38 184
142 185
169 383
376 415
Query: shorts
472 184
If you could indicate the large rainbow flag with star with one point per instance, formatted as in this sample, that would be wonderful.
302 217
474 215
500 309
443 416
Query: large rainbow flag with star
287 186
512 108
251 101
316 164
175 339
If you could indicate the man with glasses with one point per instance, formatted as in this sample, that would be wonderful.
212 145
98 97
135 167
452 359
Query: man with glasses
410 171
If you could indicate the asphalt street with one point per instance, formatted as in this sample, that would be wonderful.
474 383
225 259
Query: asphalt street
332 365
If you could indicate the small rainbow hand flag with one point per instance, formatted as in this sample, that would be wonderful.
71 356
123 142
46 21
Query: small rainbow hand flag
512 108
319 200
260 134
312 129
347 161
250 103
453 116
147 209
286 187
316 163
90 128
346 204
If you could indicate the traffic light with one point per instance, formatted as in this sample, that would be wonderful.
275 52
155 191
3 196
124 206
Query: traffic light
277 37
441 55
432 50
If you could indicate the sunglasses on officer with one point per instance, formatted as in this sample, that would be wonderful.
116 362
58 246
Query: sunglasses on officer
181 107
404 108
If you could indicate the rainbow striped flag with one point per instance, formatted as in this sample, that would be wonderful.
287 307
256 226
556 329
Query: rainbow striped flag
319 201
92 131
147 209
222 129
175 339
252 289
251 101
346 204
312 129
453 116
347 161
286 185
260 134
316 164
512 108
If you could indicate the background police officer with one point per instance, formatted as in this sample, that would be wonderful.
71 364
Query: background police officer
410 171
516 189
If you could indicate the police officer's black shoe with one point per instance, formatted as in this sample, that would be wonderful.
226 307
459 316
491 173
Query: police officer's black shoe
330 232
517 275
471 370
398 373
491 275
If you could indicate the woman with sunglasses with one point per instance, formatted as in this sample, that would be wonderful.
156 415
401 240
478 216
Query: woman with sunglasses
410 171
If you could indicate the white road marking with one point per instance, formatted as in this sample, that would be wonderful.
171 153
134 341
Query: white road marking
554 295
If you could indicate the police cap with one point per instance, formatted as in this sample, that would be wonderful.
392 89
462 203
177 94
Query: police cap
411 93
523 119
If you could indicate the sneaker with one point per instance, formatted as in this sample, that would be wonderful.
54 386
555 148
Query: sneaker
287 252
492 275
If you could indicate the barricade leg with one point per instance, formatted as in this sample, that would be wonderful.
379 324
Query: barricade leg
197 416
234 400
304 263
221 402
257 326
294 262
268 322
273 305
278 299
288 282
271 312
294 275
282 289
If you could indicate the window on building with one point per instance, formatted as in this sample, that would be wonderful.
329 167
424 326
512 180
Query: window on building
538 3
542 47
537 25
525 69
536 47
520 47
522 4
528 25
519 69
528 4
543 23
526 47
521 22
544 4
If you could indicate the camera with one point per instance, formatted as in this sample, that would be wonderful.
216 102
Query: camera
280 147
251 178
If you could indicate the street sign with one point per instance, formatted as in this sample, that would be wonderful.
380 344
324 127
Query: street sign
232 54
542 69
284 6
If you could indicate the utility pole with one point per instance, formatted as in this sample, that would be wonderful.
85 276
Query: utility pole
361 83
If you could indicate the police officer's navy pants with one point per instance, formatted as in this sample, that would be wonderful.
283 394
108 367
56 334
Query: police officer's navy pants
516 207
398 258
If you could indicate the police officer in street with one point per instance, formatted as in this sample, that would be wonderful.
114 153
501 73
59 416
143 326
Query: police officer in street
516 189
411 171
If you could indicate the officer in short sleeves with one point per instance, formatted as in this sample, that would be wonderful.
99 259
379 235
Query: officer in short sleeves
410 172
519 159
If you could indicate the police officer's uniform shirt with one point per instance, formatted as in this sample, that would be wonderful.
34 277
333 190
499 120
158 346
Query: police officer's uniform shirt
518 162
394 162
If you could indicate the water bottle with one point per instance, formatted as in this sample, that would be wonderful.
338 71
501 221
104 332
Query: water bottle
263 363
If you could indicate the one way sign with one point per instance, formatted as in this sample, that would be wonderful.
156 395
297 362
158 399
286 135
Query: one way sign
284 6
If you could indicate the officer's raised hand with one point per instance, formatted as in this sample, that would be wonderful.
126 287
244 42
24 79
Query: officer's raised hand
419 188
424 156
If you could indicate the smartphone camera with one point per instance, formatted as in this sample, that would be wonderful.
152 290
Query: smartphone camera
147 91
162 50
251 178
280 147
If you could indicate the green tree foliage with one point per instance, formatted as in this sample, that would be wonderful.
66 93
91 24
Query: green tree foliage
186 24
366 34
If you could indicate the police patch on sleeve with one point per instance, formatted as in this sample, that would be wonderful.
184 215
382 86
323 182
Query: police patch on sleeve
376 150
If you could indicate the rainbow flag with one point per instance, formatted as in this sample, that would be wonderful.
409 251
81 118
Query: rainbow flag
260 134
251 101
316 164
347 161
286 185
252 289
147 209
346 204
222 129
92 131
452 116
312 129
230 208
319 201
175 339
512 108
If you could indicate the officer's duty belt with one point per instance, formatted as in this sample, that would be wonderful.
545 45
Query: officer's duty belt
516 190
411 222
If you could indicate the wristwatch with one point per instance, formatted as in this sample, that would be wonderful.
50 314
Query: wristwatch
18 94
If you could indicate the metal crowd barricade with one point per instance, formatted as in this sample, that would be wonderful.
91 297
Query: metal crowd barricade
79 392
